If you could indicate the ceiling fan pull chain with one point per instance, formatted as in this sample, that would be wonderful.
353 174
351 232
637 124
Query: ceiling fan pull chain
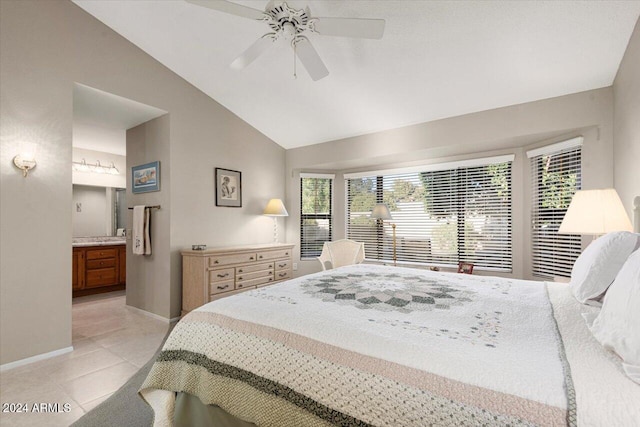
295 76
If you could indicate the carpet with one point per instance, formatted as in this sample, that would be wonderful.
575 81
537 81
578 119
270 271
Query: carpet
124 407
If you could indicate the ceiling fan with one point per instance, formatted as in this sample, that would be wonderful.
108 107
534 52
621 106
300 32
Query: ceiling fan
292 24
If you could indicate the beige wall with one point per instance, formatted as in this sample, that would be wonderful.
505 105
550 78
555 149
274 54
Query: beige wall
626 131
45 47
149 276
505 130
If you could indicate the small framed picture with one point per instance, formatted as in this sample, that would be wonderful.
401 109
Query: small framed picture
145 178
465 267
228 188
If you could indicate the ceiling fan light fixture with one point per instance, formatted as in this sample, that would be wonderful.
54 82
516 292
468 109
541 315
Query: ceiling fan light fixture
291 24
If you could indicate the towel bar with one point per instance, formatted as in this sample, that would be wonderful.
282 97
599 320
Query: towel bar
149 207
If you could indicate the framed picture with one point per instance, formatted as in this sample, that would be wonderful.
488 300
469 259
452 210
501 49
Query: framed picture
228 188
465 267
145 178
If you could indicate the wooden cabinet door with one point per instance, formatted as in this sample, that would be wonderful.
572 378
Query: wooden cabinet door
122 265
77 270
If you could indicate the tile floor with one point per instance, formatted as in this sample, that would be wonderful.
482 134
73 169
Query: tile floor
110 343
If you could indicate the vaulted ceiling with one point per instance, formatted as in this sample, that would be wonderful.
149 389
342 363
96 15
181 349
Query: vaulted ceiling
437 59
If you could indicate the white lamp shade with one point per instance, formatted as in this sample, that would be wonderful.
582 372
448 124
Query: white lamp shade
381 211
595 212
275 207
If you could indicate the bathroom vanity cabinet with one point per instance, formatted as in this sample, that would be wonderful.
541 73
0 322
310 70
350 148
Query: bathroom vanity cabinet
99 268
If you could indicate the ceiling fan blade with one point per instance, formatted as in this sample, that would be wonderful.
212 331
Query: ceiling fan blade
229 7
350 27
310 59
259 47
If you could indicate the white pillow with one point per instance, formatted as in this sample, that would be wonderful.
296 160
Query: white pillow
596 268
618 325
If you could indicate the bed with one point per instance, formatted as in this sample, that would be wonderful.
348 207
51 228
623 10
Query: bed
391 346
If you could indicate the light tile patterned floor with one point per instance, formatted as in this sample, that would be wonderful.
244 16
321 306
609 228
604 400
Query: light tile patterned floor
110 343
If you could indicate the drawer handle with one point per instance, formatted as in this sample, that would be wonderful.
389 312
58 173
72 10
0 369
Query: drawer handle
251 258
282 274
240 271
270 273
260 257
282 265
286 253
271 279
239 278
223 275
223 287
216 262
239 285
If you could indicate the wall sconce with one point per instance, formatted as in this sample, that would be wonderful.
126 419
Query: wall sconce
83 166
24 162
275 208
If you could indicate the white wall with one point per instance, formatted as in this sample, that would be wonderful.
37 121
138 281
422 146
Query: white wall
509 130
46 47
626 133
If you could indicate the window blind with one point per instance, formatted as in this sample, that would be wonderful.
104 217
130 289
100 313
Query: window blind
316 192
442 216
555 177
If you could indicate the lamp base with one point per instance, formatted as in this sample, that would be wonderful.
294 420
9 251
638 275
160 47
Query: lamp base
395 256
275 229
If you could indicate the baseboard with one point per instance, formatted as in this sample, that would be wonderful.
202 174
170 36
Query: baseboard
36 358
154 316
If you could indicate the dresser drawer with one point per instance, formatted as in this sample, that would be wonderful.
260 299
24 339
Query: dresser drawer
254 282
282 265
215 261
101 277
283 274
251 268
217 287
100 263
264 255
101 253
254 275
221 275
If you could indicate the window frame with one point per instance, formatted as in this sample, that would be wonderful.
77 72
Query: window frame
462 175
556 247
315 216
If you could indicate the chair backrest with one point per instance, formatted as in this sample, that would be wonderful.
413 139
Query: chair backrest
341 252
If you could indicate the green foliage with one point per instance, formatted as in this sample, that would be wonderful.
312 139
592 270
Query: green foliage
316 195
557 186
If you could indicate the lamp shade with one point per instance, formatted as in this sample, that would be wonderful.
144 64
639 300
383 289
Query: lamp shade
275 207
381 211
595 212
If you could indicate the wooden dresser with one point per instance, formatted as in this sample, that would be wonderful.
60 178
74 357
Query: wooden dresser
98 269
219 272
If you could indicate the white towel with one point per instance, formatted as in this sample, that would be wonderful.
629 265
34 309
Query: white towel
147 231
141 238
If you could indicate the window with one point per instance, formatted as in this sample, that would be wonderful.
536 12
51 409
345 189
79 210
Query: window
555 177
444 214
316 192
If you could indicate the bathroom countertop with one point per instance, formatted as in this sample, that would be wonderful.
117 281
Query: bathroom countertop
98 241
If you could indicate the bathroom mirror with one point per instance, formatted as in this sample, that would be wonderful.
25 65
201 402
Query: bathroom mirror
98 211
